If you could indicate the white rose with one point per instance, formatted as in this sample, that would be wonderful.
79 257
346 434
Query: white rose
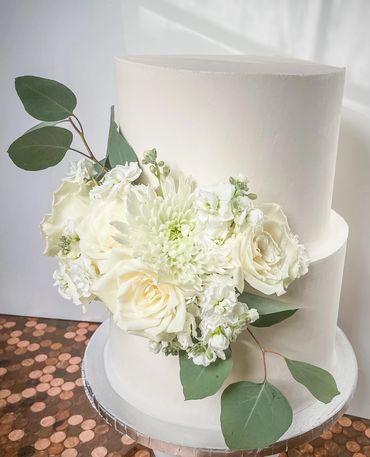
267 254
70 204
140 304
116 179
96 231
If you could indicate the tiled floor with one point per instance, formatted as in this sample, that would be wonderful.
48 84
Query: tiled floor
44 411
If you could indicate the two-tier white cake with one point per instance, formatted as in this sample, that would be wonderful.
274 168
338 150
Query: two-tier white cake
276 121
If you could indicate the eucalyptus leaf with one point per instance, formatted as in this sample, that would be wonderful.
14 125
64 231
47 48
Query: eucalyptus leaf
199 381
253 415
45 99
271 311
318 381
41 148
118 151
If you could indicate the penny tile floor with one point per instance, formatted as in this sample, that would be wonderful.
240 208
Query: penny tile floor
44 411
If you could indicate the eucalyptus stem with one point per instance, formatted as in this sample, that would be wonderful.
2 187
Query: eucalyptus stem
263 350
80 152
79 129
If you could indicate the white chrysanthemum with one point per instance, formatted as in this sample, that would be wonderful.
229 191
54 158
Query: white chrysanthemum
80 171
75 279
163 230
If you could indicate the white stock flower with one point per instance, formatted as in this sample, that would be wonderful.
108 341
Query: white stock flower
70 204
75 278
218 342
214 203
222 319
80 171
116 179
140 303
205 357
267 254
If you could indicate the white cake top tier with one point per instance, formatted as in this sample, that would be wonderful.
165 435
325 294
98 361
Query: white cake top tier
274 120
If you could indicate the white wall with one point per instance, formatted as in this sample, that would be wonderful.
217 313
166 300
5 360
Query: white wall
74 41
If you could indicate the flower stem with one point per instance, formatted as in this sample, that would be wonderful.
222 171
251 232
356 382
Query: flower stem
263 350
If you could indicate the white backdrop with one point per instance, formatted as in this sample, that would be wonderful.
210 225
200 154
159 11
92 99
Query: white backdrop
74 42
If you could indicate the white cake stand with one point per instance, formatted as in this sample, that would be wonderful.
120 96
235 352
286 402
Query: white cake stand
171 439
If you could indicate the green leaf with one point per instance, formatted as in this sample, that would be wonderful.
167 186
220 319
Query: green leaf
199 381
118 151
253 415
45 99
270 311
318 381
41 148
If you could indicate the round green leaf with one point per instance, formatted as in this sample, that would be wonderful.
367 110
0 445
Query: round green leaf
40 148
318 381
253 415
45 99
270 311
199 381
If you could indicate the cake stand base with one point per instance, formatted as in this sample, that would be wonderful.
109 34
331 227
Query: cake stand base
166 438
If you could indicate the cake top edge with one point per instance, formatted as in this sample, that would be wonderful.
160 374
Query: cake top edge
234 64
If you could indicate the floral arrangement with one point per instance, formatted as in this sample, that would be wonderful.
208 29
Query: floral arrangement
187 266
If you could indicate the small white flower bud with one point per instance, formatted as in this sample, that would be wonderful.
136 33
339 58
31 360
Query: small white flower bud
155 346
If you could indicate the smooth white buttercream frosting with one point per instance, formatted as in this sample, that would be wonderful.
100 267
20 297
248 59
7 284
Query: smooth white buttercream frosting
275 121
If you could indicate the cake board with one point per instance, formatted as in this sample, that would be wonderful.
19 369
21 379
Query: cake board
166 438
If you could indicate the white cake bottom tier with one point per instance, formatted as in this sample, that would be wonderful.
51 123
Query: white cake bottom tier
152 384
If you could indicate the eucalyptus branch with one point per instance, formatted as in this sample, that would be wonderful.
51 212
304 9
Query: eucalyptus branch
263 350
80 152
79 129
